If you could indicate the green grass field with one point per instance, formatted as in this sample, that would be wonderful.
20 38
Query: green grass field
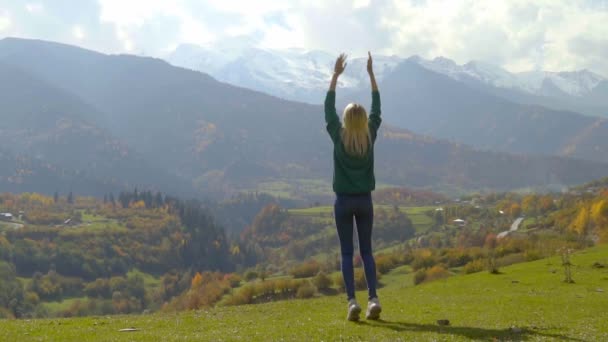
526 302
421 221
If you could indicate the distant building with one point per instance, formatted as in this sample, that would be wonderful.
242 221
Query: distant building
6 216
460 222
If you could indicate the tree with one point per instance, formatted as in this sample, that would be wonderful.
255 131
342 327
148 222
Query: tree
529 205
580 224
70 198
56 197
11 290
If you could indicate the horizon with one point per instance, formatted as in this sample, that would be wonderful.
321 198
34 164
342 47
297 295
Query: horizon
304 50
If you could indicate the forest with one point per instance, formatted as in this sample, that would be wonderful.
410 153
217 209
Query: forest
139 251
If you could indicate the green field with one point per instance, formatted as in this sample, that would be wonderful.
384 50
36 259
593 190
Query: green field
526 302
421 221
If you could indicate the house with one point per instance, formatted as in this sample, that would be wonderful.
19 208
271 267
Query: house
460 222
6 216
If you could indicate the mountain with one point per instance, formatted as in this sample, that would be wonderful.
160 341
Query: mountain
580 91
434 104
57 130
301 75
20 173
222 138
294 74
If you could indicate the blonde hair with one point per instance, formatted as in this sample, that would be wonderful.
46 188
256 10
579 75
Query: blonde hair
355 132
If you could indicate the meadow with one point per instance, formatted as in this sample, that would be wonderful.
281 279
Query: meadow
524 302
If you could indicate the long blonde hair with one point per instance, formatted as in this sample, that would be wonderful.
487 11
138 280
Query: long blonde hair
355 132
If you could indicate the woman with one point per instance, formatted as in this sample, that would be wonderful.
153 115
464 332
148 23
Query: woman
353 182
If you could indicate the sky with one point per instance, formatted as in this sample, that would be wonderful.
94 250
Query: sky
554 35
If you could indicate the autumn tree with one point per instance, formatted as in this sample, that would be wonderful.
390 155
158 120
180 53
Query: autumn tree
580 225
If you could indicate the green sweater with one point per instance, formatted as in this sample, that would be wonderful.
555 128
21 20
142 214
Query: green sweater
352 174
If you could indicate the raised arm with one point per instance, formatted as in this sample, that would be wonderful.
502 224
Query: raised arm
374 117
331 116
370 71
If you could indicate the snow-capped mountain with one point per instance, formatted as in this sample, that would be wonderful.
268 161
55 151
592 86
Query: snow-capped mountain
574 83
294 74
302 75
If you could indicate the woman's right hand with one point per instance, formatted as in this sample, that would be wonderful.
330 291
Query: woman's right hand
340 64
370 67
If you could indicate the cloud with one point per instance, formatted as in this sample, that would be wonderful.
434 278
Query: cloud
34 7
78 32
519 35
5 21
516 34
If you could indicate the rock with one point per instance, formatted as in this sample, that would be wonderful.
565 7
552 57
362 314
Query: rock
599 290
515 281
515 330
128 330
443 322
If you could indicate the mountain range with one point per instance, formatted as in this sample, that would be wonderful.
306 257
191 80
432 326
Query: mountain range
124 121
301 75
477 103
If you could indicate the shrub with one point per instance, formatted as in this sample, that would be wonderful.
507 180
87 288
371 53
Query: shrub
436 272
322 281
339 282
532 254
423 259
511 259
306 269
234 279
251 275
385 263
244 295
419 276
360 283
306 290
474 266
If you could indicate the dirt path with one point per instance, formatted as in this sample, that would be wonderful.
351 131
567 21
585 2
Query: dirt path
514 227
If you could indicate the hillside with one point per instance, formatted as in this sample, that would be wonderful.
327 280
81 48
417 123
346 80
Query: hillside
525 302
300 75
477 103
434 104
54 127
223 139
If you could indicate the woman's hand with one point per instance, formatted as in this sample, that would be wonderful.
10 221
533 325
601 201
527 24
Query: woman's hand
340 64
370 71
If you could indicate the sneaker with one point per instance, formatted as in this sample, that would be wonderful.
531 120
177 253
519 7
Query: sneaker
373 309
353 310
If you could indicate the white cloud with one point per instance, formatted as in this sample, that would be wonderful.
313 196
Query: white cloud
5 21
34 7
516 34
78 32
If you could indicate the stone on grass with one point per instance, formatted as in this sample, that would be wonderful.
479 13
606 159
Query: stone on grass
443 322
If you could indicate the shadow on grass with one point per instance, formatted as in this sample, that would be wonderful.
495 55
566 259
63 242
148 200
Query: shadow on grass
468 332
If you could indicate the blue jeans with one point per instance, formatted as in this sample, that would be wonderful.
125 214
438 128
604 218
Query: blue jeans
361 209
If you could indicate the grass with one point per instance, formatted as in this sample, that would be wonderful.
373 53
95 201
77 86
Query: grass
62 305
526 302
150 281
421 221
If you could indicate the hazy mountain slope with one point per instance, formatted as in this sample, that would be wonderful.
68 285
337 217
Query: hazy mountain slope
223 137
22 174
56 128
434 104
